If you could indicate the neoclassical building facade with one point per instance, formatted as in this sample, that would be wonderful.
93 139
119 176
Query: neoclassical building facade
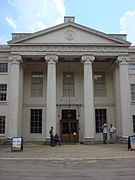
71 77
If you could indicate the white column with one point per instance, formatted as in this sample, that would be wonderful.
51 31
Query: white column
89 122
21 97
51 93
13 118
125 96
117 101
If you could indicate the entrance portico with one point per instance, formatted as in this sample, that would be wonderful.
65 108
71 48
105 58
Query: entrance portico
44 59
87 106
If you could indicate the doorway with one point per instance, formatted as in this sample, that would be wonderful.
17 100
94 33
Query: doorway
69 126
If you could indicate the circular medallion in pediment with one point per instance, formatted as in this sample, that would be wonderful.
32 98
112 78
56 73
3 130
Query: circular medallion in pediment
70 35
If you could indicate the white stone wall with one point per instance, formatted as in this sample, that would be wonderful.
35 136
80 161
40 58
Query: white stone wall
108 101
33 102
4 79
132 81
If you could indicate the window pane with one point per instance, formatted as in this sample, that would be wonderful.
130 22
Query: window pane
36 121
99 84
37 84
131 68
68 84
134 123
3 67
100 119
2 124
3 92
133 91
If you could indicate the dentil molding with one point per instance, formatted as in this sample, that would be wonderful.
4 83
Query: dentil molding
69 49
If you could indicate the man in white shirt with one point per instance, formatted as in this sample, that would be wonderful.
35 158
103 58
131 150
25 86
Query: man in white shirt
112 131
105 133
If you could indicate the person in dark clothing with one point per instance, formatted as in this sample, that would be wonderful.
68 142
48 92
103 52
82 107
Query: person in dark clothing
57 139
52 143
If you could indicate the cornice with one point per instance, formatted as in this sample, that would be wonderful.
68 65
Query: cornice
69 44
70 24
5 48
131 49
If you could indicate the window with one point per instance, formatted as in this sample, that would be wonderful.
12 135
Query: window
37 84
36 121
134 123
3 67
131 68
133 92
100 119
68 84
2 124
3 92
99 84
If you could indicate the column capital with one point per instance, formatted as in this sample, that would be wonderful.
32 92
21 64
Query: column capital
88 58
123 59
15 59
51 58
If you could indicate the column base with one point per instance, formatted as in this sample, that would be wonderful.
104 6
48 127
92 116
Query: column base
47 141
123 140
89 141
6 141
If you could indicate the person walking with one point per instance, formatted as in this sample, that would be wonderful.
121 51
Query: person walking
52 143
112 131
105 130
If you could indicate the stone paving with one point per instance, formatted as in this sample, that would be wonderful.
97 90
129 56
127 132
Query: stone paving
75 151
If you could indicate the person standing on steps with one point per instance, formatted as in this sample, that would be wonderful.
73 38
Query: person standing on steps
52 143
112 131
105 130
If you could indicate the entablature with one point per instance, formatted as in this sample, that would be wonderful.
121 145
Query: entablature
69 50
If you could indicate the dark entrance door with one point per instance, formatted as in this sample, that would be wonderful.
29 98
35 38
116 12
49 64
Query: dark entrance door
69 126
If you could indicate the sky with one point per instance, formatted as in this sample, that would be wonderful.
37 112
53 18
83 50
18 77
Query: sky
108 16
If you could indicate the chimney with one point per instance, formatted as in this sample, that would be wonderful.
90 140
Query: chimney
69 19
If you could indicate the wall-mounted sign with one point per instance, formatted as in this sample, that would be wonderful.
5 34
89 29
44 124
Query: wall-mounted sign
17 144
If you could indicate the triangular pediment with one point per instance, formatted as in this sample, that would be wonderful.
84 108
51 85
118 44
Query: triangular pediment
68 33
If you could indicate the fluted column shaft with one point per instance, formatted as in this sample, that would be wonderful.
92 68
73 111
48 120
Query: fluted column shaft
89 122
125 96
13 119
51 93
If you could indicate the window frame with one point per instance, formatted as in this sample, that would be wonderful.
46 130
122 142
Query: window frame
103 119
35 87
131 69
70 90
133 123
36 121
2 124
102 91
3 69
132 92
3 93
